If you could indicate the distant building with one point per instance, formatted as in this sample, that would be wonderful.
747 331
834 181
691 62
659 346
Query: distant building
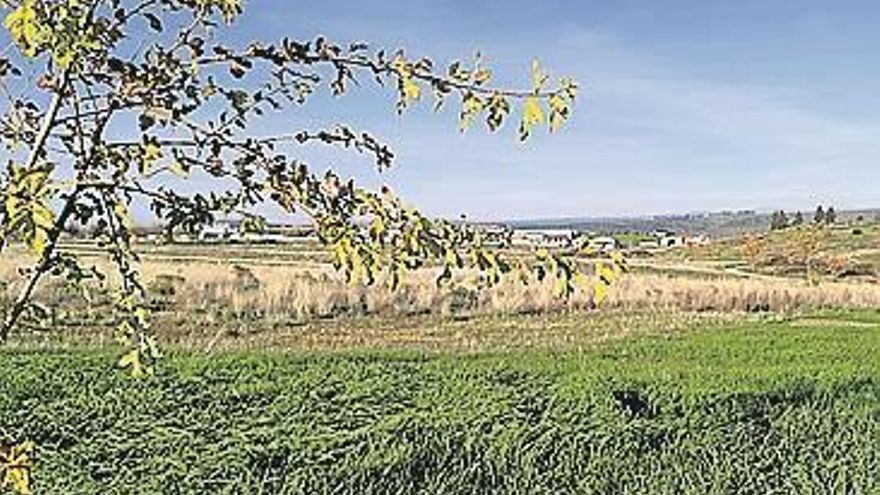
526 238
233 231
603 244
550 238
649 244
696 240
226 230
661 233
500 236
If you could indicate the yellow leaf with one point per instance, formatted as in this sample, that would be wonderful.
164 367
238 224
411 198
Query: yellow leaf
560 289
22 26
38 241
152 153
140 313
35 181
538 77
122 213
63 58
498 110
229 8
559 111
16 465
533 115
132 359
406 85
357 267
532 111
42 216
471 106
377 228
452 258
411 90
600 292
128 359
606 273
482 76
177 169
151 348
619 262
18 479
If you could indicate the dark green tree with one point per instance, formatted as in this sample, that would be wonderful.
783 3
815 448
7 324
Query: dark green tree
830 216
819 216
778 220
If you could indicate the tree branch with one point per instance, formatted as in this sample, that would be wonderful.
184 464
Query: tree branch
41 267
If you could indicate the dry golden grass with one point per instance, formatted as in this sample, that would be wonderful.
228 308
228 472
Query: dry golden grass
215 305
214 302
301 294
285 292
739 294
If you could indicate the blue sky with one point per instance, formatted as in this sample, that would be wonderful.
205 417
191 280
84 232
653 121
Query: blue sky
686 105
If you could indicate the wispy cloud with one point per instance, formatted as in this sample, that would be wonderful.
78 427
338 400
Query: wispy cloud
656 130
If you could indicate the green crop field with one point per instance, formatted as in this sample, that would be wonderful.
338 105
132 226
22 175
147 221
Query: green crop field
779 405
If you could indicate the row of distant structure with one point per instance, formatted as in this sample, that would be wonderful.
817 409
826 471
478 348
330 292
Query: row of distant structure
504 236
493 235
232 231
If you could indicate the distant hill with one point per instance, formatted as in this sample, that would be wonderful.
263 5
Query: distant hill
716 224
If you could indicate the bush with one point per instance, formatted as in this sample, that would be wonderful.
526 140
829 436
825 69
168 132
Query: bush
165 285
245 280
461 300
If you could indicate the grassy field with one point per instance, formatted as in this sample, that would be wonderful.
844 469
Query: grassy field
774 406
699 374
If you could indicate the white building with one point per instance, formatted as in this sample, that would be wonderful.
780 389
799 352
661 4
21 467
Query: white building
697 240
221 231
649 244
603 244
496 235
547 238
